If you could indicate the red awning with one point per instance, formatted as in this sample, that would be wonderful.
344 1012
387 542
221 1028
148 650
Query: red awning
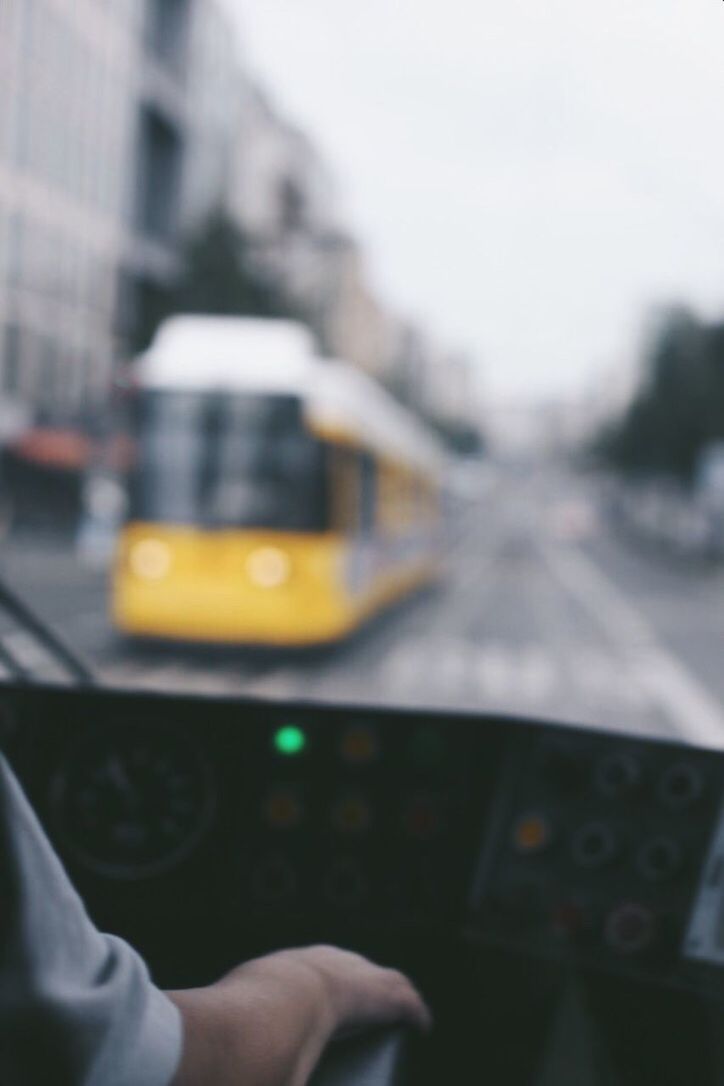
66 450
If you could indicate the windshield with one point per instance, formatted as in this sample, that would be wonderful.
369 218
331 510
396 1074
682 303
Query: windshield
226 462
489 236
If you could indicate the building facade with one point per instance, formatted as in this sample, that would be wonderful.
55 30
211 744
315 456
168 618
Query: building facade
111 142
124 124
284 199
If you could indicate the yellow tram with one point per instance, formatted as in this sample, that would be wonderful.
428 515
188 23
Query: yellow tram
276 498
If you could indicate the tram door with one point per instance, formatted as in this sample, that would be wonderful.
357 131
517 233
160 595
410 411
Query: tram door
355 514
368 542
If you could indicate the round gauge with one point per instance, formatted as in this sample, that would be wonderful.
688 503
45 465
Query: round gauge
130 803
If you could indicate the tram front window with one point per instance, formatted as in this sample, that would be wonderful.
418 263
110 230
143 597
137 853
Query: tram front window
242 461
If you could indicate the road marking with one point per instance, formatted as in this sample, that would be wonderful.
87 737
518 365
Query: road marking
520 676
25 648
696 714
282 684
496 668
192 677
31 656
539 675
607 680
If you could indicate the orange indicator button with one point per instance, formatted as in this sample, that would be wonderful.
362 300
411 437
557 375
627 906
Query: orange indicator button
283 810
359 746
531 833
351 815
422 818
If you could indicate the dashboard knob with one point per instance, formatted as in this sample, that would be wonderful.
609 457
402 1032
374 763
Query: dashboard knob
618 775
274 881
351 815
659 859
345 884
630 928
680 786
594 845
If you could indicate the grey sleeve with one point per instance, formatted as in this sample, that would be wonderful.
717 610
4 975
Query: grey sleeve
77 1008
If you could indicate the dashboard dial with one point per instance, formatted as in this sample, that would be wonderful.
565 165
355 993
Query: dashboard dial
133 802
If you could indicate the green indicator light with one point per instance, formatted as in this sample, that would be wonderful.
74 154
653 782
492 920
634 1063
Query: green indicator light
428 748
290 740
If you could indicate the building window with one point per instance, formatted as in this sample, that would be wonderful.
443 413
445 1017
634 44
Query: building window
291 205
166 30
11 360
159 177
16 231
48 372
368 494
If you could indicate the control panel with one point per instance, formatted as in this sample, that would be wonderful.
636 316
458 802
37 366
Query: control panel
219 823
233 826
360 816
597 849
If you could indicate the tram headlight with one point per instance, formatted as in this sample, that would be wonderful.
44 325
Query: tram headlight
268 567
150 559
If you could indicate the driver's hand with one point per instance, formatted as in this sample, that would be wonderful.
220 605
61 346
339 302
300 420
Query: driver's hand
267 1022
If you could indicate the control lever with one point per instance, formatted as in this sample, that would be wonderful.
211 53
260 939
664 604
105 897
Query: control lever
367 1059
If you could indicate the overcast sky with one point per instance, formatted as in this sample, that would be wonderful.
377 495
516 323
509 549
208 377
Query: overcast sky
528 177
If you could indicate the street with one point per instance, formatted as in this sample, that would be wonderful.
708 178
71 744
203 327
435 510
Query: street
544 611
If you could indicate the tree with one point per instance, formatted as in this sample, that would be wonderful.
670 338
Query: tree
679 406
220 277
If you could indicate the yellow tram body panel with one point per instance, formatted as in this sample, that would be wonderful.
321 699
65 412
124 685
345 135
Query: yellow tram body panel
255 587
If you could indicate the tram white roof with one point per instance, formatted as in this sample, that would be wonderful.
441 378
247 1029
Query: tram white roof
245 354
343 398
228 353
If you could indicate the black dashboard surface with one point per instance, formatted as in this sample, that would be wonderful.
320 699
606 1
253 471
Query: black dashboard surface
548 888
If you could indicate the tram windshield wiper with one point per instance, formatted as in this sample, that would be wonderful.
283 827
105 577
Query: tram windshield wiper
56 648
